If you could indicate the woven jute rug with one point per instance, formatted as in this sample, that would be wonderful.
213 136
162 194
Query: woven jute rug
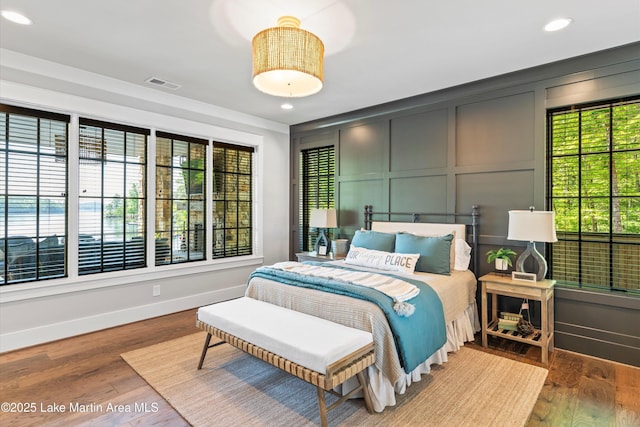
234 389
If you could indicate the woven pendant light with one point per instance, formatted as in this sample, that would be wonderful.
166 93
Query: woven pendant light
287 60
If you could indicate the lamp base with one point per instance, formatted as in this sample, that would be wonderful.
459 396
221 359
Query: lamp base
322 240
532 252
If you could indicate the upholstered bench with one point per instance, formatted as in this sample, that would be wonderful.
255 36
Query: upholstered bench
321 352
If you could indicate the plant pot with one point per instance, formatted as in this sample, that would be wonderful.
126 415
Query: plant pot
502 264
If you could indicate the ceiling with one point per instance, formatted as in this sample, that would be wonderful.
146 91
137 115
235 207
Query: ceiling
376 50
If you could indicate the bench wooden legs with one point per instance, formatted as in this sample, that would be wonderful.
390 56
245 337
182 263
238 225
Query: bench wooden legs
322 402
365 391
204 350
207 347
322 405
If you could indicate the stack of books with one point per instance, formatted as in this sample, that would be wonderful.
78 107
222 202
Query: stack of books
509 321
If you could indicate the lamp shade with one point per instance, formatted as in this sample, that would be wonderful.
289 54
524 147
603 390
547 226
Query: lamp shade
287 60
532 226
323 218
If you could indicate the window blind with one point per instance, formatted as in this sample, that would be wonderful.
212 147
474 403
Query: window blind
112 197
594 188
317 189
180 198
232 200
33 194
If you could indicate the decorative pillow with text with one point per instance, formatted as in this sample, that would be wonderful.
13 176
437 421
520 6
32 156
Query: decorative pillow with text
404 263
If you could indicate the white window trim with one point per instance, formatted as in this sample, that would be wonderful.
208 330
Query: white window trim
75 107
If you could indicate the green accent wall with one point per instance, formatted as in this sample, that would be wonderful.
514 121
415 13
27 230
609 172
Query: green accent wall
479 143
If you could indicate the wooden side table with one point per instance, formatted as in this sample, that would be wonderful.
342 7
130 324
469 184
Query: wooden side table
312 256
542 291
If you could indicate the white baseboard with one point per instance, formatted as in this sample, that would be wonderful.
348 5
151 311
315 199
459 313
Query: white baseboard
29 337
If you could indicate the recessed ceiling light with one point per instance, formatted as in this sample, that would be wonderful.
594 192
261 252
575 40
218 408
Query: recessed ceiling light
286 106
16 17
557 24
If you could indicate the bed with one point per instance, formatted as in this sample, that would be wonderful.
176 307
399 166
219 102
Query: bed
456 291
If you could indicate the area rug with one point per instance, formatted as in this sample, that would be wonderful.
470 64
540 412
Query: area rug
472 389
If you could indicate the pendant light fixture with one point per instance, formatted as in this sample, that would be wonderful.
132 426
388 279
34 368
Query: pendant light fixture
287 60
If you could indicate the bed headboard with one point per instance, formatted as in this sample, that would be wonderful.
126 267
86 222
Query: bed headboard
465 224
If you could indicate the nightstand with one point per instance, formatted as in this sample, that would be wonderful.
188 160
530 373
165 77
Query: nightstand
312 256
538 291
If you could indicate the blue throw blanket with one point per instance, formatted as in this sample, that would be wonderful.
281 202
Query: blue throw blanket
417 337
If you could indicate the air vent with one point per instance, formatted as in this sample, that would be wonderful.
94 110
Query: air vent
163 83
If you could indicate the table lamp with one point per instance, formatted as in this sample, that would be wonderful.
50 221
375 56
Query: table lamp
323 219
532 226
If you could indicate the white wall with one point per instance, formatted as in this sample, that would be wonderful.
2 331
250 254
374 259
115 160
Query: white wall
38 312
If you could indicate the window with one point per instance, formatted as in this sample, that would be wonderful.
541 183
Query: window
180 198
33 194
112 197
317 171
232 200
594 188
111 162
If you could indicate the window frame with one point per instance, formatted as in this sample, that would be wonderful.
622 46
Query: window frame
45 255
188 200
322 196
73 281
583 239
223 224
137 257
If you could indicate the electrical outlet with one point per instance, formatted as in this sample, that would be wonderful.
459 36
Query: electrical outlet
156 290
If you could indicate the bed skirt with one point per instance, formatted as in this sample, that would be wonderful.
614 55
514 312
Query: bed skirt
459 331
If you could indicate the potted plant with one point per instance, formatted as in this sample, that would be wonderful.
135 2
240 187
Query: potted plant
502 258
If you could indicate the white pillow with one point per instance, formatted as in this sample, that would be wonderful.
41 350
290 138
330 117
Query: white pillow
404 263
462 254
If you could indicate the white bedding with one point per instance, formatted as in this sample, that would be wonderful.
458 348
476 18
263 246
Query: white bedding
456 291
386 377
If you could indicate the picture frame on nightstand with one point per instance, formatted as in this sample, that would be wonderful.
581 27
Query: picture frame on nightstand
523 277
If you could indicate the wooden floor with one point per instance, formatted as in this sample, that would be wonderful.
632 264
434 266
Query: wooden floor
79 374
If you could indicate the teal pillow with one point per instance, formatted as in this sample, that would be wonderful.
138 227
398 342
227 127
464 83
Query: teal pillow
435 251
374 240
